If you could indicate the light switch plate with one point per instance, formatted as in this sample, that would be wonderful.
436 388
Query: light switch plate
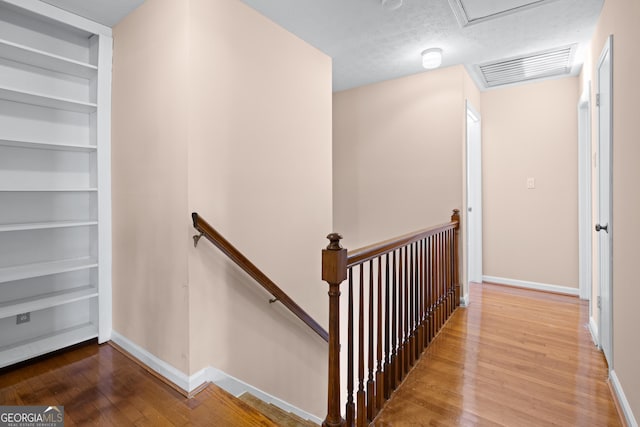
531 183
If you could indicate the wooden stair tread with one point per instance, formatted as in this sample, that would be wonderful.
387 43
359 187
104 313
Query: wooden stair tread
230 411
276 414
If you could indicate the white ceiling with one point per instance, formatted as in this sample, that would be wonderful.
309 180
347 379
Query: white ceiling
369 43
106 12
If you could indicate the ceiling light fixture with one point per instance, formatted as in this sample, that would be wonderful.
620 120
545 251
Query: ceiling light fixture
432 58
391 4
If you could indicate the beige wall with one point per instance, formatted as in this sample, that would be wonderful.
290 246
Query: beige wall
220 111
620 18
260 172
531 131
397 155
149 179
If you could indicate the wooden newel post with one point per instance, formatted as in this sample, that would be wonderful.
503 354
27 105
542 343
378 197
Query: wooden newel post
456 259
334 272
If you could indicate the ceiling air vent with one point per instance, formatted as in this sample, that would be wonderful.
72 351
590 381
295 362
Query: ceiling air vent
550 63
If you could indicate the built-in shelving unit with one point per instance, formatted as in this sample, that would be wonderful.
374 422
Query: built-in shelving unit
55 226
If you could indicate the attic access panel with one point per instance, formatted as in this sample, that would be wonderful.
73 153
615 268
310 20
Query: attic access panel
473 11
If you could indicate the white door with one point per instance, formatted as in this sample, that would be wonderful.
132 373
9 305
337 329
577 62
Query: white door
604 226
474 195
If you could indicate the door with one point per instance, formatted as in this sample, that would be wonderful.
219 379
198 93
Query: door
604 226
474 195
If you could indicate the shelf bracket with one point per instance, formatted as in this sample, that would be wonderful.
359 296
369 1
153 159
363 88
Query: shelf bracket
272 300
196 238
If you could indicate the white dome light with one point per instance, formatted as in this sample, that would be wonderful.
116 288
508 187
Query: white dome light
432 58
391 4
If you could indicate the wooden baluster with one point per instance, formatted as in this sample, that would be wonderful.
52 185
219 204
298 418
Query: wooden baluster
452 234
379 356
443 282
447 273
361 396
421 340
406 345
351 407
426 292
370 384
440 281
452 275
411 284
334 272
387 337
416 302
393 374
434 301
400 365
456 263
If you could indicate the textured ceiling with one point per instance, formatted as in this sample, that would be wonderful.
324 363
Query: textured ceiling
370 44
106 12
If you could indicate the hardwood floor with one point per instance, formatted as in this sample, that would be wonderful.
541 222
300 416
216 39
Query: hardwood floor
513 358
99 386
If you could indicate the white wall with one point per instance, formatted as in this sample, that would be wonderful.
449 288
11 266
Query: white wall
149 181
530 130
220 111
260 172
398 155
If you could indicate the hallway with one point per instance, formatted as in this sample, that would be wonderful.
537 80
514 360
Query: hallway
515 358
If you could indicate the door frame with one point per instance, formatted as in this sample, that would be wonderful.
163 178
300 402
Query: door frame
606 322
585 220
474 188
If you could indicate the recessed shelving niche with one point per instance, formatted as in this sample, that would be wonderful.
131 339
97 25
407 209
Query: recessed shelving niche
55 248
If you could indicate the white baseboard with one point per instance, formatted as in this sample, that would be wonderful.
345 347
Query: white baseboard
532 285
622 400
188 383
169 372
593 328
464 301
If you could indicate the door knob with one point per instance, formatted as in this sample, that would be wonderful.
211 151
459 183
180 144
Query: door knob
602 227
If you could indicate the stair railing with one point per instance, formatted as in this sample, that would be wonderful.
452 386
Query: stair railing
408 287
207 231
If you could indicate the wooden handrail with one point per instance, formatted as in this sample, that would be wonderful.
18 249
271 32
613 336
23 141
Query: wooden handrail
400 292
366 253
243 262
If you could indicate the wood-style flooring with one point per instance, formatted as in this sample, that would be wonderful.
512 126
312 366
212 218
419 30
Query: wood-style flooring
512 358
99 386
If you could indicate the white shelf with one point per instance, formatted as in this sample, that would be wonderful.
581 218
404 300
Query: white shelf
45 225
38 58
46 100
9 274
41 302
47 145
48 190
11 354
